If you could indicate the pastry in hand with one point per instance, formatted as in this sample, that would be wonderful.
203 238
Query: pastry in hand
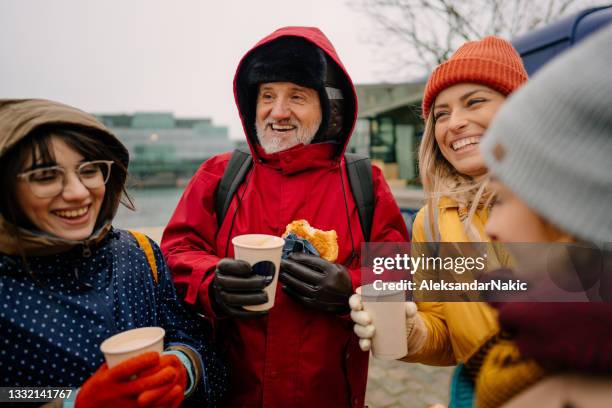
325 242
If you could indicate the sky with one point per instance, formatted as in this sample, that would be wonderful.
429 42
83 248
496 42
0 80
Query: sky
124 56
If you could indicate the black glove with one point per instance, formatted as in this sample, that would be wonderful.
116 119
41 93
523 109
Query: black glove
235 285
316 283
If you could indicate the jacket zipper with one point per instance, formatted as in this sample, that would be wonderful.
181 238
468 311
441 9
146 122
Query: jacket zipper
108 315
86 250
105 309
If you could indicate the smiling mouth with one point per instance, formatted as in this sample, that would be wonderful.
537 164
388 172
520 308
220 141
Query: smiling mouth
465 142
281 128
72 214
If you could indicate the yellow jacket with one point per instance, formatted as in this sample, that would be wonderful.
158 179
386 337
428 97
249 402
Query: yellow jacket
455 330
458 330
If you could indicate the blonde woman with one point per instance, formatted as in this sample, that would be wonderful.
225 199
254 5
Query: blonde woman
460 100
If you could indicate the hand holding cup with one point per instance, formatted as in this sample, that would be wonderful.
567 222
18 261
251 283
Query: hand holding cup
122 384
235 286
388 344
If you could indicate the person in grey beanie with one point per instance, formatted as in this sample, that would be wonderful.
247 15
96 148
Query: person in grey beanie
549 151
551 143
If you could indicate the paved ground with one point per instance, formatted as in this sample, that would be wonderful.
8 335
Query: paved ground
398 384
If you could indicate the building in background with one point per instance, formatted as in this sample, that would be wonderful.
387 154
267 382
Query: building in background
389 129
164 150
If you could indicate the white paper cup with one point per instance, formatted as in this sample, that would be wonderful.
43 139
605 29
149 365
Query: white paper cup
131 343
262 252
388 312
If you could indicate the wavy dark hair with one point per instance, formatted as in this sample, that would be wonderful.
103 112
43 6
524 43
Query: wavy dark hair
37 145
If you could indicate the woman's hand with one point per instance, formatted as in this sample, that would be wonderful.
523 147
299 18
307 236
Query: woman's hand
416 331
170 395
121 385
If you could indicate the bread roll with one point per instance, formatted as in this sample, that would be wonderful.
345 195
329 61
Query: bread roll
325 242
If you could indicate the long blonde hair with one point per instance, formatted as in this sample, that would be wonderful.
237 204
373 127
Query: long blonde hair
441 179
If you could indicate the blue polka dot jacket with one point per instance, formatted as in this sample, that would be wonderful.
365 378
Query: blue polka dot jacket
55 313
63 298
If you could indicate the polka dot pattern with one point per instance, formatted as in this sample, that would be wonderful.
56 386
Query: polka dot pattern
53 319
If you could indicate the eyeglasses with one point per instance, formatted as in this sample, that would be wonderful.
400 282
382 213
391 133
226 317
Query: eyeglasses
47 182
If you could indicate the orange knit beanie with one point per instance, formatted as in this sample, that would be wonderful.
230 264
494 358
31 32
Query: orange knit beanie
492 61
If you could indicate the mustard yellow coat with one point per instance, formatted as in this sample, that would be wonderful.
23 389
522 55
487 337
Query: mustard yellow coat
456 330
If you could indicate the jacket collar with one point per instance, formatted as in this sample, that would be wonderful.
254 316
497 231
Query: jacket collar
447 202
34 243
300 157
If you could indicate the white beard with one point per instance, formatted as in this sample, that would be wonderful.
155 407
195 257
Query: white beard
275 144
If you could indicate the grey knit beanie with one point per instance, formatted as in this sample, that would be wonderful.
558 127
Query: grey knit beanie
551 142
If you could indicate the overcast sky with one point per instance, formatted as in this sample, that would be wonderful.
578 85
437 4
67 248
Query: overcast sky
113 56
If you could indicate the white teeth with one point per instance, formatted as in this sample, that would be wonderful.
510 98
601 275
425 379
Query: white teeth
72 213
464 142
282 127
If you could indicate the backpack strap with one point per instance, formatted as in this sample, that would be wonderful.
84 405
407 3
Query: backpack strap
359 170
147 248
236 170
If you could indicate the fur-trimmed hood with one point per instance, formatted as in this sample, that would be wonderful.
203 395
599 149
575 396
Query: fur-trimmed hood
18 118
289 50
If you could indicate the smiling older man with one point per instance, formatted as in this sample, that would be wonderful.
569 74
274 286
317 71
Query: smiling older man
287 115
298 108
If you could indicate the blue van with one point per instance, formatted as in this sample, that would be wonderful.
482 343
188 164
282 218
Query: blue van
540 46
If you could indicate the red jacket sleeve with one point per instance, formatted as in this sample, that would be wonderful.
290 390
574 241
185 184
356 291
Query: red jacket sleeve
188 242
388 224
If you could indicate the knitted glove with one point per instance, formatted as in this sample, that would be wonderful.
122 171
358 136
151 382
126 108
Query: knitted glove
169 395
416 331
316 283
234 286
121 385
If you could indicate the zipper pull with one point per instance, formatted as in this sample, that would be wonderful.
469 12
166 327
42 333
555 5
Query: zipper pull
77 277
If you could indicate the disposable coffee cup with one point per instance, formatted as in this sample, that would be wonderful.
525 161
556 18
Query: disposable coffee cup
131 343
263 252
388 311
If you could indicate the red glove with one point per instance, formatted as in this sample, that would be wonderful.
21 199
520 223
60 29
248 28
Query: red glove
121 385
169 395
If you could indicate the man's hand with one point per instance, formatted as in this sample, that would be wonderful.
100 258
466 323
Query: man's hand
316 283
234 286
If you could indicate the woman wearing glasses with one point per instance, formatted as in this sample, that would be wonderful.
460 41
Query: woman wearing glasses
69 280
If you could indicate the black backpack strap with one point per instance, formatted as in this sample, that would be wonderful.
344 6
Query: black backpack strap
359 170
236 170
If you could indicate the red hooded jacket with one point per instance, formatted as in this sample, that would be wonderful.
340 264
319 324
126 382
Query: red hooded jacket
294 356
